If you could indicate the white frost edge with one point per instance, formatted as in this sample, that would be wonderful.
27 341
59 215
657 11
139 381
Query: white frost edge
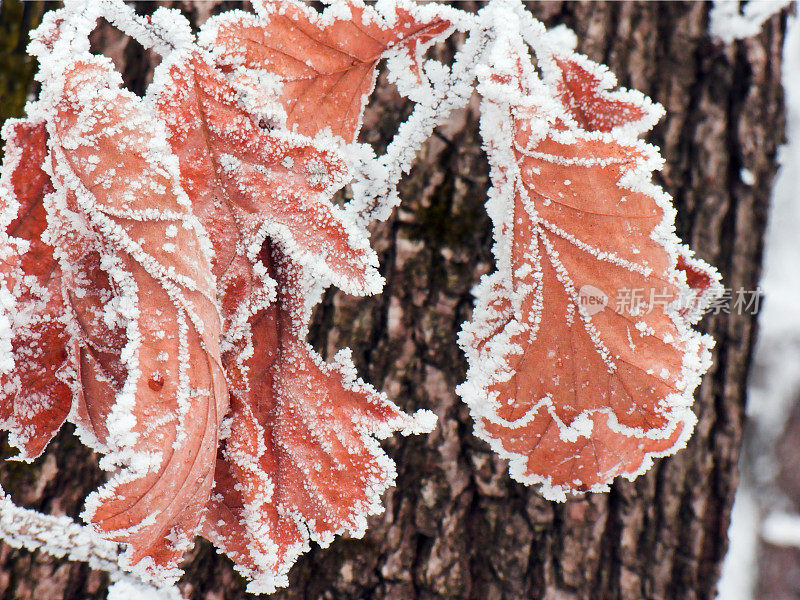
376 178
10 247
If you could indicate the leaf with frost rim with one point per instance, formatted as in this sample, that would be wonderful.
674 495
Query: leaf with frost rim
485 366
243 526
132 264
308 389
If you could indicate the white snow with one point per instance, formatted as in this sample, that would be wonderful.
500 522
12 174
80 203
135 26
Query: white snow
733 20
736 580
781 529
130 588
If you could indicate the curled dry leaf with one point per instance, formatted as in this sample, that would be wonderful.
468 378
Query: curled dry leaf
570 377
324 64
135 258
301 461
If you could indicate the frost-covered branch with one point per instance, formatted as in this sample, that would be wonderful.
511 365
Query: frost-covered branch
59 536
375 188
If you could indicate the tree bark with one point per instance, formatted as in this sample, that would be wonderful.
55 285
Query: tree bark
456 526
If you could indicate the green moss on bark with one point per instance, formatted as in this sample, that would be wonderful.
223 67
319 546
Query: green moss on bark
17 19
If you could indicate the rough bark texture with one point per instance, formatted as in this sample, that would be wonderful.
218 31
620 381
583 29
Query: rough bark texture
456 526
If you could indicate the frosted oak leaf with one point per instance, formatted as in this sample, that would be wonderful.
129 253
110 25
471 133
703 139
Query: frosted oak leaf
247 182
575 399
325 64
302 461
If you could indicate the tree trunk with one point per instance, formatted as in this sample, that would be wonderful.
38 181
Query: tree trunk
456 526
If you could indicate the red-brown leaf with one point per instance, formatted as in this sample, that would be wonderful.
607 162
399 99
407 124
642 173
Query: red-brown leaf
325 62
301 452
586 90
246 183
35 397
573 393
95 344
289 409
116 187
